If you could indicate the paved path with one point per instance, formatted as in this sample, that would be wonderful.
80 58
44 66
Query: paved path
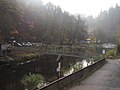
106 78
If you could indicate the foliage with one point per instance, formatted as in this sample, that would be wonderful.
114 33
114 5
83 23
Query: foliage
114 53
72 68
6 58
28 56
30 21
118 48
106 26
111 54
32 80
77 66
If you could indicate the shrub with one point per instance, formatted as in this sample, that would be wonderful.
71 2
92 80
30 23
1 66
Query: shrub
32 80
118 48
111 54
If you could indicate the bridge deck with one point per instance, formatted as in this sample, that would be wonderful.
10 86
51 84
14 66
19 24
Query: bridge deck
106 78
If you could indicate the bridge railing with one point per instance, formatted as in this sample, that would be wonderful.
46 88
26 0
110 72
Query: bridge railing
50 49
63 82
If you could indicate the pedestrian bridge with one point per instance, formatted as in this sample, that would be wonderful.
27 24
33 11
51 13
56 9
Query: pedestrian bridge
105 76
61 83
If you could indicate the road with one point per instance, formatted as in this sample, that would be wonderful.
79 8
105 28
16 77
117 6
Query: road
106 78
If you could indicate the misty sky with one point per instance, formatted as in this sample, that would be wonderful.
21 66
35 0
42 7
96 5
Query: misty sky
86 7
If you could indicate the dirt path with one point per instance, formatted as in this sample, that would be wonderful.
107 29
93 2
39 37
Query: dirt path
106 78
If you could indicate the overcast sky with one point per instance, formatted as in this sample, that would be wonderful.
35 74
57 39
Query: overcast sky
86 7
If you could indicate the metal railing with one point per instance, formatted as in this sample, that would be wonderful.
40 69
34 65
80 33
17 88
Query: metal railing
63 82
51 49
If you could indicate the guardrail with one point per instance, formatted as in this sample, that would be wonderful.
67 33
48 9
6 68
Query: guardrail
63 82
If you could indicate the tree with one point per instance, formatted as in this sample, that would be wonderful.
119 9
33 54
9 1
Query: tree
36 22
107 24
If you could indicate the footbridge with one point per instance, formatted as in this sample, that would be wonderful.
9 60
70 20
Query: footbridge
79 75
106 78
102 75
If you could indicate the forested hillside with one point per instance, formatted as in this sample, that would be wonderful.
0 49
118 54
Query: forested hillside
106 27
35 22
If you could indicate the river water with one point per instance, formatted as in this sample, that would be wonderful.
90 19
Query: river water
78 66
